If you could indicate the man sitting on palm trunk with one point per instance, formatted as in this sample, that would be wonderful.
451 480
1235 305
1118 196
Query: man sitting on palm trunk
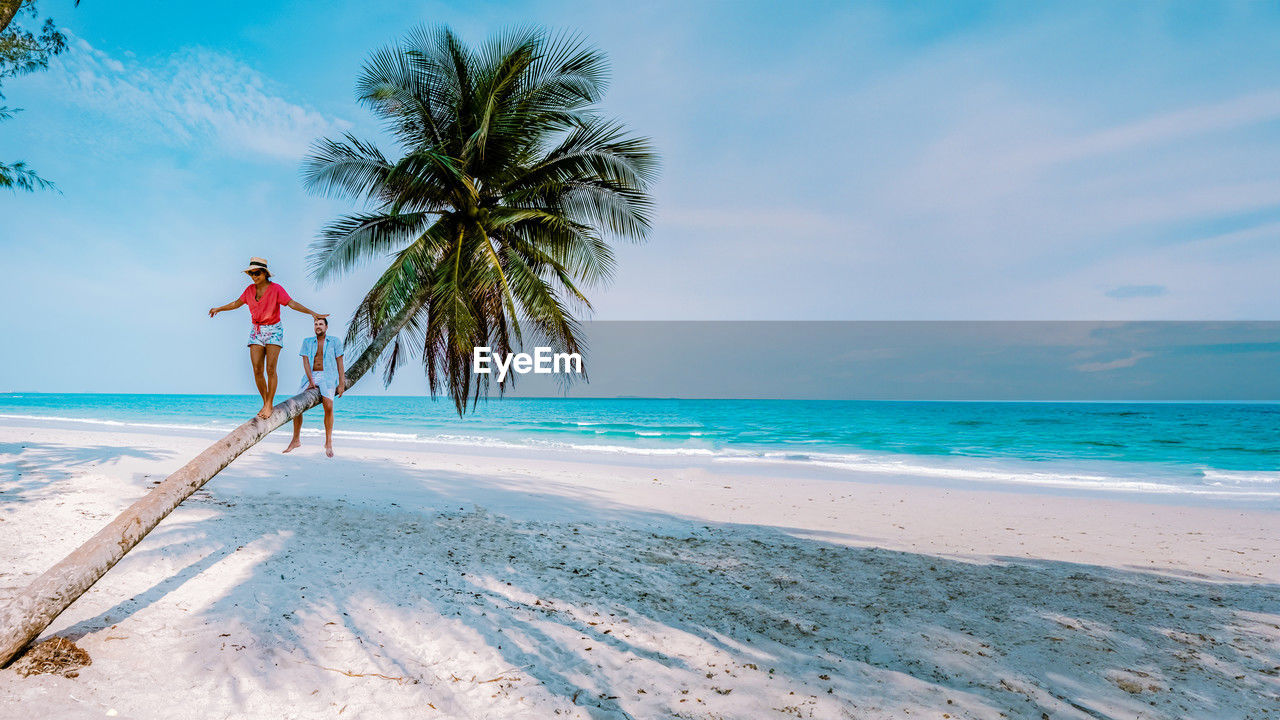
322 368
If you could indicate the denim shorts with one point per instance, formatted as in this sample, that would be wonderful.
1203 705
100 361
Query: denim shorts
267 335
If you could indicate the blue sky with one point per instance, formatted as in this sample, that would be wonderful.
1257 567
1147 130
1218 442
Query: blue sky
943 161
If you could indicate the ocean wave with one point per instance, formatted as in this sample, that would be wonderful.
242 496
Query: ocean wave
481 441
211 426
625 450
1241 478
1223 482
632 426
1134 477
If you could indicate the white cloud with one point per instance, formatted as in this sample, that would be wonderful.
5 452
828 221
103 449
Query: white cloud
1114 364
194 97
795 220
1269 232
1004 148
1126 292
1181 124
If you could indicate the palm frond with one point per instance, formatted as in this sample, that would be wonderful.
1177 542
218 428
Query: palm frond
353 169
347 242
499 208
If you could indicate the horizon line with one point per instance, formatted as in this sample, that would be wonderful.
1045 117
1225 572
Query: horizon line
444 398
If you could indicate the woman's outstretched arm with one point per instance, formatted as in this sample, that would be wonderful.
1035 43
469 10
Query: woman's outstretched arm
303 309
229 306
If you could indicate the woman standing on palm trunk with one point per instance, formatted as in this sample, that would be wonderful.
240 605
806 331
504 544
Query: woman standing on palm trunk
494 216
266 337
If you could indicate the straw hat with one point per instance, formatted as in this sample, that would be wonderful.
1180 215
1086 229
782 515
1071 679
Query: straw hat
257 263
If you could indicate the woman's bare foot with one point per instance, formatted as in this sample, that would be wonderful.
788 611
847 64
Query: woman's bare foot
328 449
265 412
293 445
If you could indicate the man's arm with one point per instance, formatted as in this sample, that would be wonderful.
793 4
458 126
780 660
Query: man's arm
295 305
306 368
342 378
229 306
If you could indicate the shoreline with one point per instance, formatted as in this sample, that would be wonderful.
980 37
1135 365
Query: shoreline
580 584
1084 478
897 512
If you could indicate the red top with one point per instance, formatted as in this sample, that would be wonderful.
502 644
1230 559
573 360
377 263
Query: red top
267 310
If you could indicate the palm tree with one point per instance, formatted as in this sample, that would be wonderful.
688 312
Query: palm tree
498 209
495 219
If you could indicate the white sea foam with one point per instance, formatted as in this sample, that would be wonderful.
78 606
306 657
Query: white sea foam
980 470
1237 478
623 449
911 466
212 425
555 445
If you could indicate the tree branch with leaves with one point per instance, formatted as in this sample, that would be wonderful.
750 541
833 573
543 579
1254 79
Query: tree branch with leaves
24 51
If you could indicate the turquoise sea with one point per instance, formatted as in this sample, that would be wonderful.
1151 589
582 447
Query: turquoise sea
1211 449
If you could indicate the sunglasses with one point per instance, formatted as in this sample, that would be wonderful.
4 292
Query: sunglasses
255 273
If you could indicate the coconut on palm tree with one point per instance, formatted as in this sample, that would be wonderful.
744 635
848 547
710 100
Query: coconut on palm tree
494 220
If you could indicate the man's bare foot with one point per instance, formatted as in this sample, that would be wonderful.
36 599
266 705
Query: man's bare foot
265 412
293 445
328 449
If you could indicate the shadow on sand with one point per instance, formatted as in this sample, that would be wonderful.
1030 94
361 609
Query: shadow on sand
630 613
30 467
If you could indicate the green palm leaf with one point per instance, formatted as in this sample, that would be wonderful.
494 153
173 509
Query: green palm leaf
500 205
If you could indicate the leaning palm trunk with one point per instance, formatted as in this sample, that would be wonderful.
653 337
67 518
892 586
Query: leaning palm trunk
498 214
27 615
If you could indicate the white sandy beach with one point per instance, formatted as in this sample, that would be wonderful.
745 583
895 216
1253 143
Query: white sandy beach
401 581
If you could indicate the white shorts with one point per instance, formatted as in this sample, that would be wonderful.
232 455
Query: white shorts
326 380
